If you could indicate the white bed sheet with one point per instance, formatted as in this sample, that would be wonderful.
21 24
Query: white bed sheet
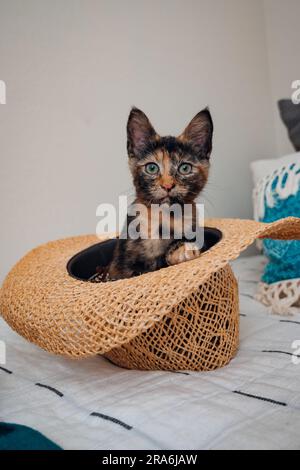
252 403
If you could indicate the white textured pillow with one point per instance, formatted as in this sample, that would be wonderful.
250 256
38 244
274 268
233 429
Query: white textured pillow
261 168
275 195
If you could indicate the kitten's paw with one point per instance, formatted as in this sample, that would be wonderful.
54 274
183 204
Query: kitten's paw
185 252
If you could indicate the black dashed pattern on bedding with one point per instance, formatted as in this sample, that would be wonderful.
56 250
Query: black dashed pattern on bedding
258 397
6 370
280 352
52 389
113 420
290 321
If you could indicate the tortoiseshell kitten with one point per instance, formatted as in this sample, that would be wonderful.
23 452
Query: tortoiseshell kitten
166 170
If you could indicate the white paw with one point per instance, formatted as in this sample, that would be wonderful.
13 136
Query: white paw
185 252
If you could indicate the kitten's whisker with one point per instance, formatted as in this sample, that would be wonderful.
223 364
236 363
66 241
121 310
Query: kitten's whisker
206 199
127 193
215 186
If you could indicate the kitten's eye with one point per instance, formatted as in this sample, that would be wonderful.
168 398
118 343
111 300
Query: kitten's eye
185 168
152 168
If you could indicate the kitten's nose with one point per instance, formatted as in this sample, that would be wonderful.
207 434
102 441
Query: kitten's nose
168 186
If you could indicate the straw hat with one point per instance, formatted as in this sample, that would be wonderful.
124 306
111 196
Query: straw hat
180 317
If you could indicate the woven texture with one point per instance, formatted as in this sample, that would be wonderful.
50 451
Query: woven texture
282 297
200 333
66 316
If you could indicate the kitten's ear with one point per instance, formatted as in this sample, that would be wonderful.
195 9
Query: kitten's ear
139 132
199 134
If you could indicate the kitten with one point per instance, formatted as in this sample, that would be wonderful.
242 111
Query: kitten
165 170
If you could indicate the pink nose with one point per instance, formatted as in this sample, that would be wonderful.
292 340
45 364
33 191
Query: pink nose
168 186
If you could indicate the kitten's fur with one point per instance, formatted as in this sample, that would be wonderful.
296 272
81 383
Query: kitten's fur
144 145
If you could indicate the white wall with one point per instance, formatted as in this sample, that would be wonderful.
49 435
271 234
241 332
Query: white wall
73 68
283 42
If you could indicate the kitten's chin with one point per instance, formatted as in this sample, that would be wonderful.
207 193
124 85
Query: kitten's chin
158 201
169 200
165 200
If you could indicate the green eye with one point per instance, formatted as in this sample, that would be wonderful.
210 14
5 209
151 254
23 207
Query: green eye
185 168
152 168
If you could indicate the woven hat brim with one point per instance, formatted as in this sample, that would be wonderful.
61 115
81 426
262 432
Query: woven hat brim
41 301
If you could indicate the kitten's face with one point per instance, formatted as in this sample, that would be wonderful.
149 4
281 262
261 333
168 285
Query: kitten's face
169 169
